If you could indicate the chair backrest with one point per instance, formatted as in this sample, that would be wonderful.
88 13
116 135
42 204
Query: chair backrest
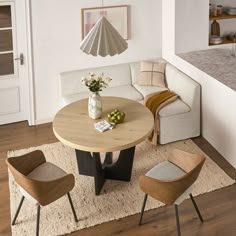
44 192
168 191
191 164
21 166
185 160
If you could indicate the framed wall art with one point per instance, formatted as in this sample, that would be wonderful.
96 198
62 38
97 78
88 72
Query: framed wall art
116 15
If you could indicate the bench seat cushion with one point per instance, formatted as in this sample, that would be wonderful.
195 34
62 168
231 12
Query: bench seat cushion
174 108
125 91
146 90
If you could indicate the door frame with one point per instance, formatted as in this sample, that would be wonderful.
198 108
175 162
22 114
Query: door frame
31 107
30 88
31 76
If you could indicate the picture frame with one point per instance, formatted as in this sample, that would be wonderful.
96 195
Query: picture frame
116 15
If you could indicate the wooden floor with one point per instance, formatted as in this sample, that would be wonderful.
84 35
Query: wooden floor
218 208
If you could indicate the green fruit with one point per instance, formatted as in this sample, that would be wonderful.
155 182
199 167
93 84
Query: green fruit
116 116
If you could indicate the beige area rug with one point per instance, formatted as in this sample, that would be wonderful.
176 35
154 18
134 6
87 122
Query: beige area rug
117 199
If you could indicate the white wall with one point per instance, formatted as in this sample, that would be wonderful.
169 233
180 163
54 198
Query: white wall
168 28
56 27
218 119
218 116
192 25
191 28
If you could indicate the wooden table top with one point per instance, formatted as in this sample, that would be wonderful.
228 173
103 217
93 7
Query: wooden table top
73 127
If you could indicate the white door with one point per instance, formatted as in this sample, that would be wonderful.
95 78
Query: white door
14 89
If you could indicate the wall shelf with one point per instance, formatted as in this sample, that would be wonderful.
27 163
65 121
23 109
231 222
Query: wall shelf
222 17
225 41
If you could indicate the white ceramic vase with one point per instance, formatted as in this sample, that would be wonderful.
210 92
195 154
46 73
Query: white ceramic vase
95 106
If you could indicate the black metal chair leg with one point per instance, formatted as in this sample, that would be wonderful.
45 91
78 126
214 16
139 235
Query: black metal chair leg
72 207
196 208
177 219
37 222
144 204
18 210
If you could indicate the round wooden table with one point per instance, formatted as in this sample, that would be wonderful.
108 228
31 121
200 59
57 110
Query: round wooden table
73 127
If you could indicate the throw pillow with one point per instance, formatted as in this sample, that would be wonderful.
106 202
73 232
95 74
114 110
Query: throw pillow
152 74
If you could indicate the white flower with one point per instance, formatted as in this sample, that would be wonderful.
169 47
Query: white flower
91 75
99 78
84 80
108 79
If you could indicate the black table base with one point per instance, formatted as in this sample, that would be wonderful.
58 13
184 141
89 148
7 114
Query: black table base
91 165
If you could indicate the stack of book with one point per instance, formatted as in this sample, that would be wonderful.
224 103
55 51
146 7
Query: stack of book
103 126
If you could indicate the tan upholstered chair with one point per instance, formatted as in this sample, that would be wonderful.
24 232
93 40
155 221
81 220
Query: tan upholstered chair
172 181
40 182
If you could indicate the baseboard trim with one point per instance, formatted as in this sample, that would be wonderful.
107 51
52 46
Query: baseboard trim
43 121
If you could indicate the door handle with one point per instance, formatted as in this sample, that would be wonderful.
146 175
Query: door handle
21 59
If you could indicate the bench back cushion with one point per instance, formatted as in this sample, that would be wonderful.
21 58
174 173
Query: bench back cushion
135 68
187 89
70 81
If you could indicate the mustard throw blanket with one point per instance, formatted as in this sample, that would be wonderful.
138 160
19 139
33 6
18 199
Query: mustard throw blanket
154 102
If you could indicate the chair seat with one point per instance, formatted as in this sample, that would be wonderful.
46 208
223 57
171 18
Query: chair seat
165 171
168 171
45 172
